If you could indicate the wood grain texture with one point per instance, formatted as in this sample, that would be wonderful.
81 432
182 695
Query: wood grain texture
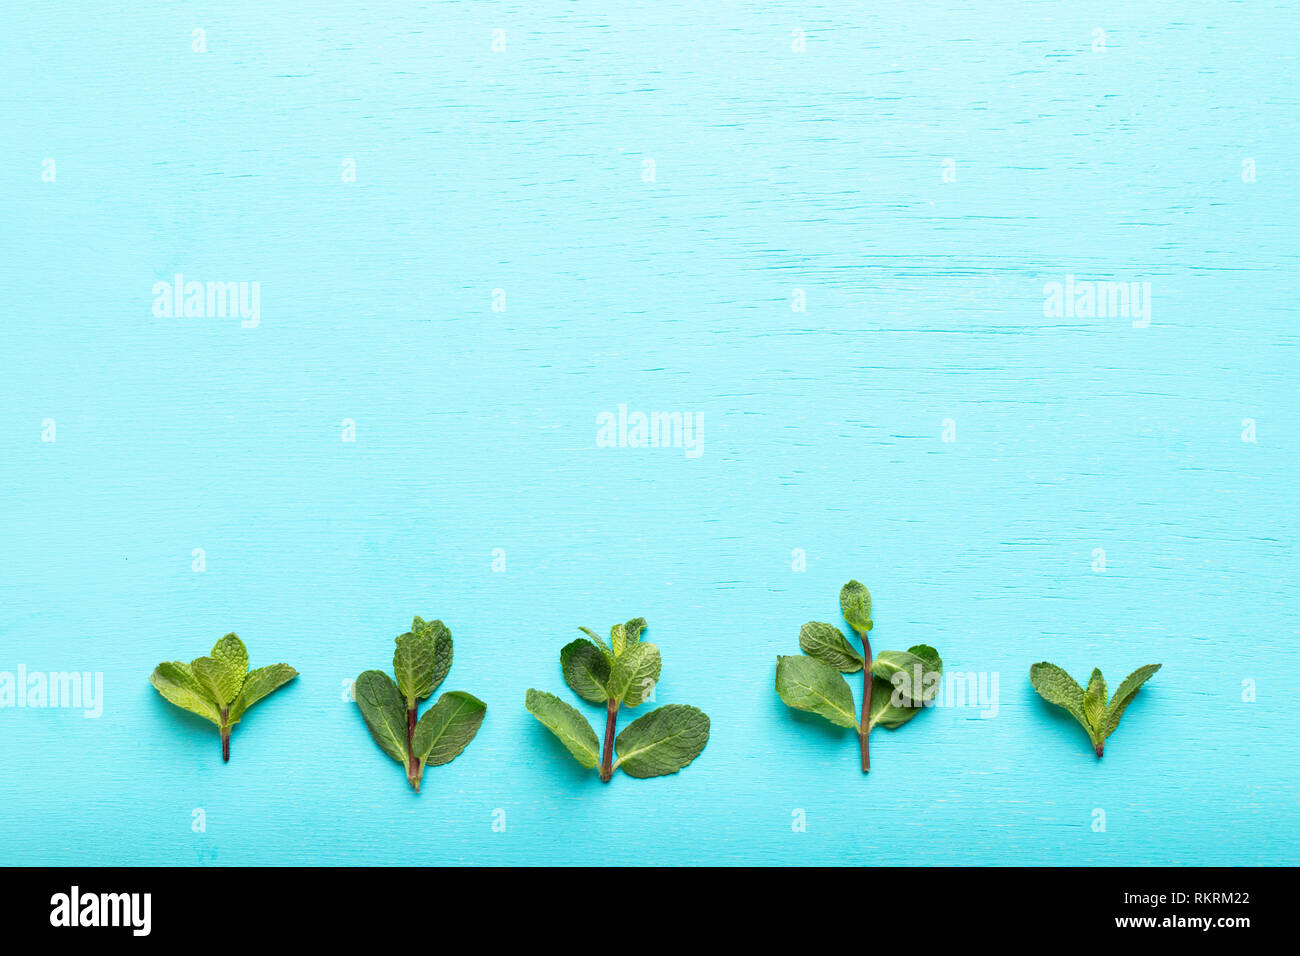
775 170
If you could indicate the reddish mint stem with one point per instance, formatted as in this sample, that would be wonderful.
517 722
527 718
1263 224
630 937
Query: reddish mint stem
225 735
607 759
413 768
864 727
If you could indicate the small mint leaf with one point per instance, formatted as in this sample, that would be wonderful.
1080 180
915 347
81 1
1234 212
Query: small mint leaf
586 670
855 603
889 707
914 677
663 741
177 684
413 665
618 639
929 655
257 685
806 683
218 679
827 643
384 711
634 674
442 648
1057 687
566 723
447 728
599 642
1094 704
1124 696
633 629
230 651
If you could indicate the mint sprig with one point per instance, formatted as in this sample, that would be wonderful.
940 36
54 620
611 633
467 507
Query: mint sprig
219 687
1089 706
895 686
421 662
621 672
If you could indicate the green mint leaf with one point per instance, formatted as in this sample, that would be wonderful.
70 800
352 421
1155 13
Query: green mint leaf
566 723
633 629
447 728
257 685
1057 687
826 643
805 683
618 639
218 679
855 603
893 699
442 648
927 654
586 670
634 674
1123 696
1094 703
413 662
599 642
384 711
230 651
914 676
663 741
889 707
175 681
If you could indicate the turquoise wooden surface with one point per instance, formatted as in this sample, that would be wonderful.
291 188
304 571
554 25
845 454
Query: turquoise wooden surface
777 167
